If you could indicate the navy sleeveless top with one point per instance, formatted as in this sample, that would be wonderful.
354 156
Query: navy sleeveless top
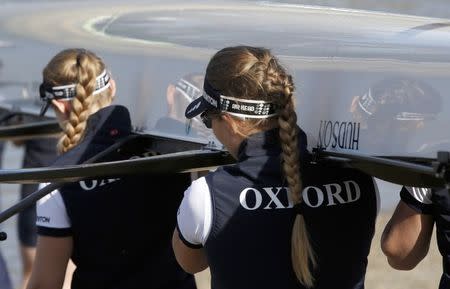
121 226
249 245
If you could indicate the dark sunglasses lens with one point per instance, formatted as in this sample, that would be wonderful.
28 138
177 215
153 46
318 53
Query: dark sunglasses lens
42 91
206 120
44 108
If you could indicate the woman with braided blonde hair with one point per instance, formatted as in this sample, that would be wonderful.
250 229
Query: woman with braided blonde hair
102 224
274 219
91 88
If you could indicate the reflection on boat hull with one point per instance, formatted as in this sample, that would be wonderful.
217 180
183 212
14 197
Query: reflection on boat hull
338 58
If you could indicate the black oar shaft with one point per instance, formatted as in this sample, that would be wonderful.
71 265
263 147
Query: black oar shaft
31 199
391 170
28 201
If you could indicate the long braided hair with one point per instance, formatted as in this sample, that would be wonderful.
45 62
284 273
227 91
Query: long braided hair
81 67
254 73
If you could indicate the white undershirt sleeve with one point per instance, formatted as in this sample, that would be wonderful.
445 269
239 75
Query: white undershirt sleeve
195 213
51 211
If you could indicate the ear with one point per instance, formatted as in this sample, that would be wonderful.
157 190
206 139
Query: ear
112 87
231 123
61 106
354 104
170 94
170 98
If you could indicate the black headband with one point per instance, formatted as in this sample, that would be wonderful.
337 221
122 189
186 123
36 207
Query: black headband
212 99
47 92
237 106
188 89
369 106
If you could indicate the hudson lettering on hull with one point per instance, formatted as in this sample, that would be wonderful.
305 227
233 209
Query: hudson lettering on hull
344 135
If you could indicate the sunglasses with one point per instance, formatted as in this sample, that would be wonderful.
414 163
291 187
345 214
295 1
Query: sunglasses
207 117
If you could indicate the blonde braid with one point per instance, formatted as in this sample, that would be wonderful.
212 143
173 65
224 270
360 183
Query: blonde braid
278 82
74 127
80 67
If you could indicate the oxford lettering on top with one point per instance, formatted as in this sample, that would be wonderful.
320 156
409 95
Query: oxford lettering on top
92 184
273 198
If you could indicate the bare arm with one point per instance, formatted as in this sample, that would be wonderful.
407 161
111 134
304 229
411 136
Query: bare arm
406 237
69 272
52 256
191 260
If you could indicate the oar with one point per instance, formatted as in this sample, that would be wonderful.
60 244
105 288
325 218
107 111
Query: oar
42 128
402 171
168 163
34 197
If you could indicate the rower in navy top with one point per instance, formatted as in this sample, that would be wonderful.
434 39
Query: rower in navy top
407 236
117 233
274 219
